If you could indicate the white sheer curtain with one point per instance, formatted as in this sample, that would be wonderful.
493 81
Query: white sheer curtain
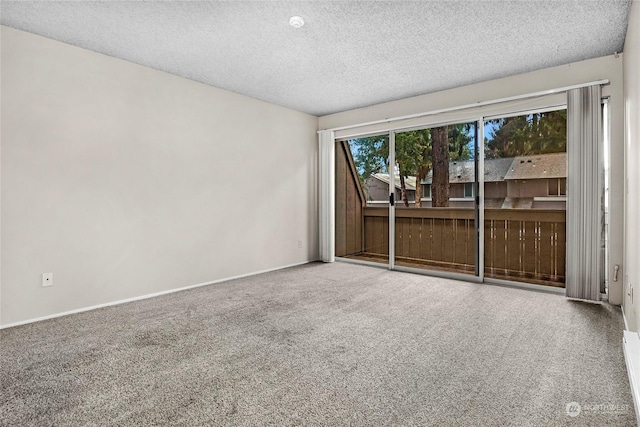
584 192
327 195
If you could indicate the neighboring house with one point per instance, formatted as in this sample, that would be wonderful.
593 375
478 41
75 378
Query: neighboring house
523 182
538 180
376 188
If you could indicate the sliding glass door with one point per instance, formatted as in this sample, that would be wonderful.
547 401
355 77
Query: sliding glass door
453 201
427 184
525 197
436 214
362 199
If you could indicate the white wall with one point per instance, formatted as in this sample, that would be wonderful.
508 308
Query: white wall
632 139
125 181
609 68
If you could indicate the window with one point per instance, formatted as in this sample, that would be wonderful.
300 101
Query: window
426 191
469 189
557 187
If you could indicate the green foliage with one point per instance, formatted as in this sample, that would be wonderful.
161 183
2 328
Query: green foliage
539 133
370 155
459 141
413 150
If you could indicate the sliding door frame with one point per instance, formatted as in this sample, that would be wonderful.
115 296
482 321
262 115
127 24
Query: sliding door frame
504 282
479 141
429 120
392 202
478 275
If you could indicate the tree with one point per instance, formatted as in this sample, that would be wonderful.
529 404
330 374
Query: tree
370 154
414 156
412 150
440 183
424 164
538 133
459 140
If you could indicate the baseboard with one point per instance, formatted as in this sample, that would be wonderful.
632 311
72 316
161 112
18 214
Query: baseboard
631 345
155 294
624 318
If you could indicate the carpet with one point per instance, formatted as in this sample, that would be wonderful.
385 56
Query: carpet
323 344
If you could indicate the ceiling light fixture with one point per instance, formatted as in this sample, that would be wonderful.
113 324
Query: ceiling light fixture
296 21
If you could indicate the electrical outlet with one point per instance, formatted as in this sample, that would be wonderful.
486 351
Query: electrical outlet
299 244
47 279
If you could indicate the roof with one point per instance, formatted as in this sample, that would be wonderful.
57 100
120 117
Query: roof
410 181
461 171
540 166
521 167
496 170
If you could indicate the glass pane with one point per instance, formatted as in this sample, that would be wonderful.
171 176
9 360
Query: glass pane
554 187
362 199
525 172
435 180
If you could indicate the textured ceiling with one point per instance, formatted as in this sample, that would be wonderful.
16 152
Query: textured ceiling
347 55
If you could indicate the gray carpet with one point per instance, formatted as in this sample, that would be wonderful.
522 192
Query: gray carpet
322 344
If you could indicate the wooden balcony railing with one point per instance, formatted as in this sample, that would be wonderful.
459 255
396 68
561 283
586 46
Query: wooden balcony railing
520 244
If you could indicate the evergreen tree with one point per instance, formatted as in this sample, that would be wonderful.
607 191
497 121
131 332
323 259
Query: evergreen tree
440 182
414 156
538 133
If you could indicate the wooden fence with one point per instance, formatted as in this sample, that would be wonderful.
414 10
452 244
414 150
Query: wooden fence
350 202
520 244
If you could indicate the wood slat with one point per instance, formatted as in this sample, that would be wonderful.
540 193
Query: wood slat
500 231
529 242
416 238
353 245
359 227
560 250
543 215
426 244
513 254
398 237
471 239
421 212
460 242
490 253
385 235
524 245
546 252
437 244
341 202
449 243
349 202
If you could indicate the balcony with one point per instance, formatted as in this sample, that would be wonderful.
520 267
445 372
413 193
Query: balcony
526 245
520 244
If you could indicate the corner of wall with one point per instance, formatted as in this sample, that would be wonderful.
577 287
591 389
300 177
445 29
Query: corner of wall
631 89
